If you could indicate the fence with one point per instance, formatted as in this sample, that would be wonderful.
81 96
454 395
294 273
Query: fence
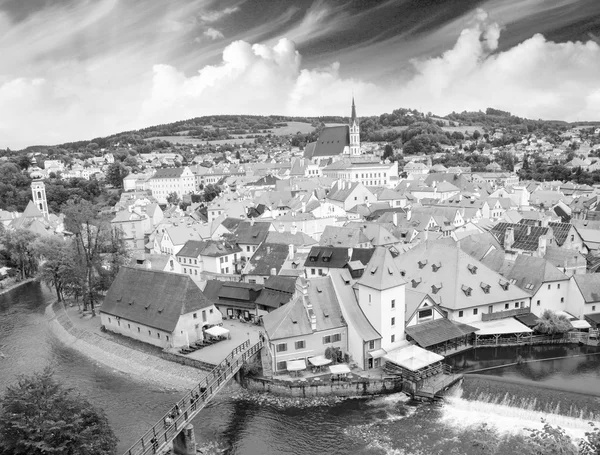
182 413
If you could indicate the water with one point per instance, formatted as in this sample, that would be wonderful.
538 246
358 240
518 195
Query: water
566 391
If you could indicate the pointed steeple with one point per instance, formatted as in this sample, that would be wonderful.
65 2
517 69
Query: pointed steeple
353 118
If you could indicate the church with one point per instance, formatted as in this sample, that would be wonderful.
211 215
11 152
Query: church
336 142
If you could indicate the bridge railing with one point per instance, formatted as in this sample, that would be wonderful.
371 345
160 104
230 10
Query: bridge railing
192 402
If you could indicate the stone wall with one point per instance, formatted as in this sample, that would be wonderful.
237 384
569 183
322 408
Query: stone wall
340 389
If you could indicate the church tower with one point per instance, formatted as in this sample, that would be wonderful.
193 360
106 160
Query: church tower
354 132
38 190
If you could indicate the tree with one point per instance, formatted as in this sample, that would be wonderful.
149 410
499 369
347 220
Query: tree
173 198
38 417
19 245
211 192
388 152
550 441
58 266
552 323
115 173
476 134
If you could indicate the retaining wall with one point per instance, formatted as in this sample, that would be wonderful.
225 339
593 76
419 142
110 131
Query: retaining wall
340 389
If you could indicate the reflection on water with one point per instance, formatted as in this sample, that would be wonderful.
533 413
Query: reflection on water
241 423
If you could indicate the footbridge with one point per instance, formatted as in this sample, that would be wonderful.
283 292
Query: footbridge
174 427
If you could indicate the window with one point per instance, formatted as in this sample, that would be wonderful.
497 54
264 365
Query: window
129 326
320 272
371 344
138 330
562 300
549 286
393 322
393 338
558 286
248 249
195 261
516 304
538 303
184 270
203 315
475 311
149 333
195 315
393 304
300 344
157 335
210 311
572 238
196 272
109 321
281 365
167 337
460 314
506 306
369 298
327 339
425 314
336 337
282 347
594 308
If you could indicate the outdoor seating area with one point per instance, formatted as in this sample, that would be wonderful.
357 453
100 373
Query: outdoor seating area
212 336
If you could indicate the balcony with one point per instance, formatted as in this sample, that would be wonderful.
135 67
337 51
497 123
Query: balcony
505 314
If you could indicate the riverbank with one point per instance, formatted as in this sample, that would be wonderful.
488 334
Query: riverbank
138 365
16 285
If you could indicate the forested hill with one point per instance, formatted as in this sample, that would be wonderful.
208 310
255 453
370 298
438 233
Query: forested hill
385 127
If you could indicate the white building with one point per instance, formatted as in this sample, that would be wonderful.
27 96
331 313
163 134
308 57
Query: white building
179 180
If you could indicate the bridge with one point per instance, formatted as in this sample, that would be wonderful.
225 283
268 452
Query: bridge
164 432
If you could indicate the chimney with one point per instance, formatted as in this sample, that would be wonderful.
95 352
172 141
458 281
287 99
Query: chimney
290 252
148 264
368 203
294 229
509 238
544 222
281 227
542 244
313 321
528 229
350 251
251 221
268 250
303 207
395 218
273 271
408 214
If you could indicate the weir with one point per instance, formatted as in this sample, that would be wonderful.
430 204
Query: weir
175 426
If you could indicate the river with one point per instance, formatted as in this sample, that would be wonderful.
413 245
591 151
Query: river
565 391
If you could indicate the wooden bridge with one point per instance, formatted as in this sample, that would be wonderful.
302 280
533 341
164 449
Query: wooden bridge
158 438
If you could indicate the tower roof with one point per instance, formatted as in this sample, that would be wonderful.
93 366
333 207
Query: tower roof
31 211
353 118
382 272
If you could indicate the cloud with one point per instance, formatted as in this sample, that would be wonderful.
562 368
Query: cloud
78 100
213 33
214 16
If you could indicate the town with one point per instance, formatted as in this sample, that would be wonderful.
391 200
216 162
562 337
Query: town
343 258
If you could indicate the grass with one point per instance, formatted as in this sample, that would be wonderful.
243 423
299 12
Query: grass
293 128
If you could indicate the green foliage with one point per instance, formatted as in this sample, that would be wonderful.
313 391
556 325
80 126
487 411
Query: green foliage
550 441
173 198
39 417
550 323
211 192
58 264
19 246
115 174
591 445
335 354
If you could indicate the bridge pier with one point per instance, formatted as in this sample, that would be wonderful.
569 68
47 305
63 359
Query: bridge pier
185 442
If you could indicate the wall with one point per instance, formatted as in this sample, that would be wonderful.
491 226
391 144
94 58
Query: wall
468 315
340 389
550 299
192 326
135 330
313 346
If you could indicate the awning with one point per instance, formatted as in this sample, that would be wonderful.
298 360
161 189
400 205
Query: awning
296 365
378 353
576 323
319 360
500 327
438 331
339 369
413 357
217 331
529 319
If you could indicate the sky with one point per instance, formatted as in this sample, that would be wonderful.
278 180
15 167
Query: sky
78 69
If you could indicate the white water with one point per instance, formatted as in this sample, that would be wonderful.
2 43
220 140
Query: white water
462 414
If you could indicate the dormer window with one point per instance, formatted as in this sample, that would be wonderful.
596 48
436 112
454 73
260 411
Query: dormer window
415 283
373 270
422 263
435 288
472 269
486 287
467 290
504 285
436 267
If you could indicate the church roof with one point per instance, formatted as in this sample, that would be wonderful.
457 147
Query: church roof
32 211
332 141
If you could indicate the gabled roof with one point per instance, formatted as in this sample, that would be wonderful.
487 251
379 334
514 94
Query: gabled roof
281 283
589 285
168 173
381 272
287 238
268 256
331 142
211 248
243 295
526 237
251 234
336 258
560 231
153 298
32 211
459 280
293 319
343 237
377 234
341 192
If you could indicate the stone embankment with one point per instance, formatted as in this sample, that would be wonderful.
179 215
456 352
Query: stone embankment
139 365
15 285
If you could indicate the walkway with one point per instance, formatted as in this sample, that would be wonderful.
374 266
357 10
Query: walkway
161 435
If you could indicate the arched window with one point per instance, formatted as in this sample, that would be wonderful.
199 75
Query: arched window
39 194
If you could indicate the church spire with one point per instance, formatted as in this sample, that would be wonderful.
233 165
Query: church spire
353 119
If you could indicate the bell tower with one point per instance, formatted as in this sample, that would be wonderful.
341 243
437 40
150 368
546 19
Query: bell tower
38 191
354 132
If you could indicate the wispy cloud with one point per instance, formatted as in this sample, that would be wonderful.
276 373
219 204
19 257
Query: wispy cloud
213 33
214 16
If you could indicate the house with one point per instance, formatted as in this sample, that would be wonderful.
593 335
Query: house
266 261
198 258
306 326
249 235
234 300
546 284
179 180
159 308
132 227
349 194
466 287
344 237
523 238
321 259
584 295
